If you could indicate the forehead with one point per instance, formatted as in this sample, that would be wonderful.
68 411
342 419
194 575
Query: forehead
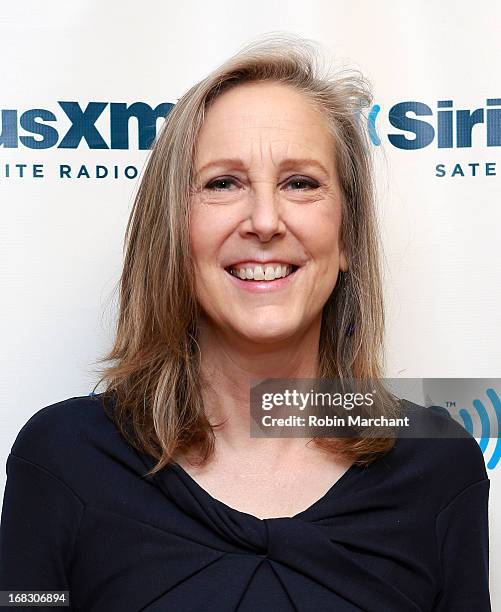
257 115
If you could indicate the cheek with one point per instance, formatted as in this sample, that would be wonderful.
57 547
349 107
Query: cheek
320 233
203 233
209 228
197 248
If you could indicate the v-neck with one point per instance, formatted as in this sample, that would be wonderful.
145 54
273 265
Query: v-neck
303 514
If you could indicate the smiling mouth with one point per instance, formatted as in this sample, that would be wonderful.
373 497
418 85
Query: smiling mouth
291 269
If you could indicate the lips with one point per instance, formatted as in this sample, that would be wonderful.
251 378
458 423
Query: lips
259 272
263 286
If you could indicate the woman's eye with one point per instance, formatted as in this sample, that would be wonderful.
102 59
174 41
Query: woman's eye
305 183
220 184
298 184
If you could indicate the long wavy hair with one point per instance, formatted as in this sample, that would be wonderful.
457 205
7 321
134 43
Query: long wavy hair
153 373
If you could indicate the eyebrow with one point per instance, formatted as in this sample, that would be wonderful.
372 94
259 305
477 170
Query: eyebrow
290 162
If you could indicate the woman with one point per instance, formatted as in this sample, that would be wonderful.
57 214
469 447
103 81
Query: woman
251 254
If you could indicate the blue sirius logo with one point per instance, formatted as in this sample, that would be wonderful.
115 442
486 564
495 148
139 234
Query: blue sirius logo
448 128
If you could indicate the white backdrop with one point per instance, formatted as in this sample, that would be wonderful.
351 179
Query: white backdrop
61 237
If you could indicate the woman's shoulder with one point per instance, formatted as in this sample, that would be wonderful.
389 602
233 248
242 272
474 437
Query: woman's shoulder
438 447
63 435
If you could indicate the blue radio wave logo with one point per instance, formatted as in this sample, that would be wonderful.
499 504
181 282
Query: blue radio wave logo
371 122
481 412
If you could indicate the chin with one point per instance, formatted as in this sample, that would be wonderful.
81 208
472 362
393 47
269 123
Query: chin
268 334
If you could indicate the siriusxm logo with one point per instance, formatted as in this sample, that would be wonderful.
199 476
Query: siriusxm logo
39 131
448 128
408 125
490 423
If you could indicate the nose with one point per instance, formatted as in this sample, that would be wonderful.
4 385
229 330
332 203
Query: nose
265 213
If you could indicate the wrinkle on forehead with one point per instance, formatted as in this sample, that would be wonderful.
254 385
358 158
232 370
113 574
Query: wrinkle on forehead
253 145
270 122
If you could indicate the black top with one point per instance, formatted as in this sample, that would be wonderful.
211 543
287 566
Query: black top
409 533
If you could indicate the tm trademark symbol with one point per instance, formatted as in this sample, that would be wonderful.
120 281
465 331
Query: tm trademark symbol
450 404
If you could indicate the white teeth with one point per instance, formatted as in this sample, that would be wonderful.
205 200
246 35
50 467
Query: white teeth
258 273
268 272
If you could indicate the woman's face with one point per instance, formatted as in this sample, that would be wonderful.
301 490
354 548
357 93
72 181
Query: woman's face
267 196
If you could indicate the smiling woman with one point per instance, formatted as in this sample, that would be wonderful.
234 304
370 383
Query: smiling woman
251 253
263 209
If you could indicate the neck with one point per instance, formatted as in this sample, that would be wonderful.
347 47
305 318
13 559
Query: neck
229 364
